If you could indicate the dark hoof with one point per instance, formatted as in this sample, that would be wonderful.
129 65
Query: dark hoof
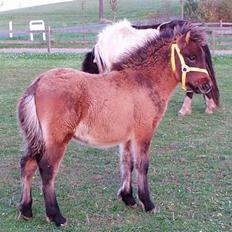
59 220
127 198
149 207
153 210
24 217
26 213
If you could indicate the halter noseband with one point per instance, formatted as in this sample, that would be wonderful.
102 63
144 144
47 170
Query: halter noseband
184 67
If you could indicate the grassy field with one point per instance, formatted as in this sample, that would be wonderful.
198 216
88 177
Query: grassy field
71 14
190 168
76 13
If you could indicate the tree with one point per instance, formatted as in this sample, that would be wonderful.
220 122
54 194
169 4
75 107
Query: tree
191 10
114 8
208 10
101 6
182 8
215 10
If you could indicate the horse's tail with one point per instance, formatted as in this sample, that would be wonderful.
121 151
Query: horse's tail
29 123
215 91
88 64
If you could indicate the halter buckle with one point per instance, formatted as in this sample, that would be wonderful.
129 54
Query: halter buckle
185 69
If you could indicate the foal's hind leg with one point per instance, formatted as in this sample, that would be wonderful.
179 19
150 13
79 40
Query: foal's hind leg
28 167
125 192
48 167
141 165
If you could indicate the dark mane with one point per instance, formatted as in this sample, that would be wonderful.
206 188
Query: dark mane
215 91
139 56
198 35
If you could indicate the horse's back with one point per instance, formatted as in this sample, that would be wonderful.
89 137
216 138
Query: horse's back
116 40
62 80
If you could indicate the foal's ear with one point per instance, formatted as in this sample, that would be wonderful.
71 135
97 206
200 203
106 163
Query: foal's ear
187 37
184 39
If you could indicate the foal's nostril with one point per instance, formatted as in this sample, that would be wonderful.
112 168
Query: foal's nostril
205 88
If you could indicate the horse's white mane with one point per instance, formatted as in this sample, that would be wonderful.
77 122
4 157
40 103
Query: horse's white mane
117 39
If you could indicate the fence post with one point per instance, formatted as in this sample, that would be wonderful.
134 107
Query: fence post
10 29
44 36
213 41
31 36
221 24
49 39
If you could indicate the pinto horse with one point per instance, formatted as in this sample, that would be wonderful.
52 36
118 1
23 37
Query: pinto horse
122 107
121 37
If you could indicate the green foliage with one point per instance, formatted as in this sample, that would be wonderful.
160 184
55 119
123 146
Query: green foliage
215 10
191 10
208 10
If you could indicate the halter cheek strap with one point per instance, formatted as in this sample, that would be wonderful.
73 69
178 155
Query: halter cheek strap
184 67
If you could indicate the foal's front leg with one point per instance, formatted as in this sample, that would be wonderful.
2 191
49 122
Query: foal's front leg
141 165
125 192
186 108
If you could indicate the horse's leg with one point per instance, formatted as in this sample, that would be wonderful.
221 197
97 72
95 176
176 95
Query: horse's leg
186 108
28 167
48 167
125 192
210 105
141 164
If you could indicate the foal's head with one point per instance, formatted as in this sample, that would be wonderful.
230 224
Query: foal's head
188 59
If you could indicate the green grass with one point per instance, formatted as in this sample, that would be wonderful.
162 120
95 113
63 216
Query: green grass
189 175
74 13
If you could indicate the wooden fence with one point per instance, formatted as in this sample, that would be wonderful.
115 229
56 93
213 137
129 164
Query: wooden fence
220 37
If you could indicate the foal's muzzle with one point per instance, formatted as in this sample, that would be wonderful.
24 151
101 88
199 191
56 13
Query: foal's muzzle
201 89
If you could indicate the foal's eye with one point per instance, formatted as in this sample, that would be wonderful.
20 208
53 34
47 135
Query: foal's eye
192 58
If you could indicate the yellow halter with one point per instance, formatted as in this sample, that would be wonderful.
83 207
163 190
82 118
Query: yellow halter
184 67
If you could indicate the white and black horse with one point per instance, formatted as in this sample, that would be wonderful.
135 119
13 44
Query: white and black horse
122 37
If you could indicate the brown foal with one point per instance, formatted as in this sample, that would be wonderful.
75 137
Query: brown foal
122 107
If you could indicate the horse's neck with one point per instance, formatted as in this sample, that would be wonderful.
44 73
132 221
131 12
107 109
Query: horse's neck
163 77
165 84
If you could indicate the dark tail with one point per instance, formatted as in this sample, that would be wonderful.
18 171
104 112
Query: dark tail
29 123
162 26
88 64
214 93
